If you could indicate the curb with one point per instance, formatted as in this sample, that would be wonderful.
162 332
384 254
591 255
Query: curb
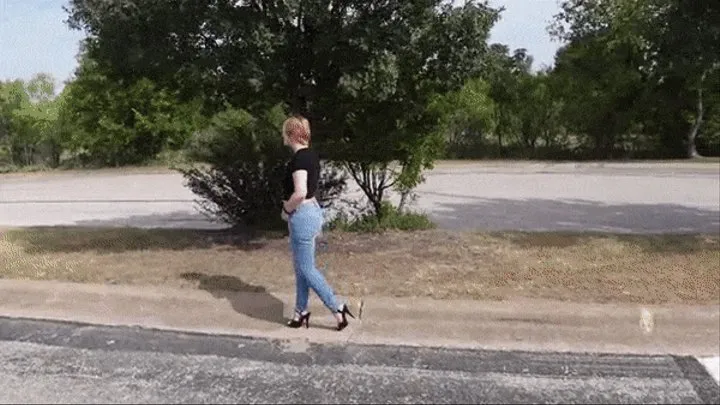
526 325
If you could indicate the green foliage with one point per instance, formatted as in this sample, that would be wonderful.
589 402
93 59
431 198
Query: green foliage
676 36
708 141
241 167
117 124
672 40
365 86
389 86
382 126
505 76
29 126
506 110
390 218
600 89
541 114
467 116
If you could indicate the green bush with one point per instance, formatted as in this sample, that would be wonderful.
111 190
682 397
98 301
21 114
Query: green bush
238 167
8 168
390 218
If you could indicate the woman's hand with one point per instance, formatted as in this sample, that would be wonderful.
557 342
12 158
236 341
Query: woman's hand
283 212
297 197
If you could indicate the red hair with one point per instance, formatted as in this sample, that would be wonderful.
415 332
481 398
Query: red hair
297 129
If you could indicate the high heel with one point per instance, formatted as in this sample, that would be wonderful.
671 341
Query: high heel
303 318
344 311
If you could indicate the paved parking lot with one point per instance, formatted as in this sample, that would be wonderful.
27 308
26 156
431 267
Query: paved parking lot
522 196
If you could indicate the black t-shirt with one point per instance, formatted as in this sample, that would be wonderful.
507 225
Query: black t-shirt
303 159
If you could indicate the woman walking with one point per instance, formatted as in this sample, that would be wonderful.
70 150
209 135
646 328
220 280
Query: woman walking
305 219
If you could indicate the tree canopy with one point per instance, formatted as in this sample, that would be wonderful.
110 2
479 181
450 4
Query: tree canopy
389 86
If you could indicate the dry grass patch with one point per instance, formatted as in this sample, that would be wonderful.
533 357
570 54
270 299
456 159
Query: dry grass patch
435 263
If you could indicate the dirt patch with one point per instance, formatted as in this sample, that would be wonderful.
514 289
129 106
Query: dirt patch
439 264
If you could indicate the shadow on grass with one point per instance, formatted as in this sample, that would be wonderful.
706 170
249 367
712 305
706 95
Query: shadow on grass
259 305
68 239
559 224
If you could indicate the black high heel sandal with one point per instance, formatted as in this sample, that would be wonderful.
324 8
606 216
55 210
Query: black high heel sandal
344 311
304 318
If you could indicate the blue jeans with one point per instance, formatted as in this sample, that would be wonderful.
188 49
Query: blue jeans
305 224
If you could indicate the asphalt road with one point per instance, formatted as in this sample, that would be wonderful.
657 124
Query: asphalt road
615 198
52 362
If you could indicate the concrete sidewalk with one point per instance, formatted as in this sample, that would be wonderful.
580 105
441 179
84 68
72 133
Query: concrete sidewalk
534 325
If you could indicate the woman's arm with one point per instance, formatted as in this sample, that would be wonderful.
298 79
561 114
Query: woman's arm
300 182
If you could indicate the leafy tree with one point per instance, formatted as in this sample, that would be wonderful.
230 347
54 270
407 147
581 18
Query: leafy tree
676 38
709 133
12 98
541 113
504 76
242 161
28 120
364 72
118 123
600 90
525 110
467 116
42 116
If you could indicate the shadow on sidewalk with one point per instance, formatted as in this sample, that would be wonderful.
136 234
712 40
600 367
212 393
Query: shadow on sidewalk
260 304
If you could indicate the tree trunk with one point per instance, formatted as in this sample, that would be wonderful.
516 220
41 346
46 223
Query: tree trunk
55 158
365 177
500 144
27 155
404 197
691 148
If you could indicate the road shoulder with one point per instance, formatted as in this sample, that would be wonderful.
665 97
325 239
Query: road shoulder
526 325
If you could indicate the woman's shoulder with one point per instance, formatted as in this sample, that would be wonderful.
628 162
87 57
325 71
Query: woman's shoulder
308 153
305 157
